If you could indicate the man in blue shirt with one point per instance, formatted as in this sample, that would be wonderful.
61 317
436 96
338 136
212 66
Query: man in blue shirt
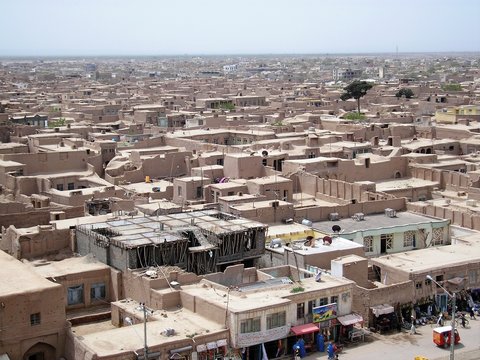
331 351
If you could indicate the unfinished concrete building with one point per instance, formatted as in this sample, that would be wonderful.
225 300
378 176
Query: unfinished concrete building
200 242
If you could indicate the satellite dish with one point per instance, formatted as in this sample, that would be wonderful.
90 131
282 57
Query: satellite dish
327 239
336 228
264 153
318 277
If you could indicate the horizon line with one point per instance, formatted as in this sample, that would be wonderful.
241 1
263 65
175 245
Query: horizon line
114 55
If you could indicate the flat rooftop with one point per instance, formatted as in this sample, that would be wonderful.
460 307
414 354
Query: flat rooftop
338 243
143 187
109 342
273 179
10 163
403 184
415 144
318 159
375 221
74 265
18 278
432 258
265 293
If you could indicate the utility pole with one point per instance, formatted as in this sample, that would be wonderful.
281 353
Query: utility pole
453 296
145 346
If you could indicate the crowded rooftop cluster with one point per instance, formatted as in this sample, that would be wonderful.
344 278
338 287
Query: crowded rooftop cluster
227 206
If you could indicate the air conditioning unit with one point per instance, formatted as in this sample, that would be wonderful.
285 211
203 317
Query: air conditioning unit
391 213
168 332
359 216
276 243
334 216
471 202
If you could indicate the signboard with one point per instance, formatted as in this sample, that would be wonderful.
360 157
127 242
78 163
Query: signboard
324 313
254 338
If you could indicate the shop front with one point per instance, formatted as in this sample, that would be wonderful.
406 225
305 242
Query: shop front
257 345
351 327
326 319
383 318
304 336
213 350
181 353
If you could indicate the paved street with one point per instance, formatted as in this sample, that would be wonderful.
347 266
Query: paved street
403 346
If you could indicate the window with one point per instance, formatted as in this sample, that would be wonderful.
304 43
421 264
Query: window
220 162
60 187
300 310
71 186
473 276
418 285
334 300
35 319
388 238
199 192
322 301
179 191
368 243
97 291
437 236
250 325
409 238
311 305
276 320
428 282
75 295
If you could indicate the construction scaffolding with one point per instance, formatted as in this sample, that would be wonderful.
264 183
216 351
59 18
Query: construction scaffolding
199 241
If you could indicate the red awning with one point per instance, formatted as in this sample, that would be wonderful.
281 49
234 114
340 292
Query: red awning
304 329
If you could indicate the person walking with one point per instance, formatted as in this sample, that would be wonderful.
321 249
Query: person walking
331 351
472 313
440 319
413 330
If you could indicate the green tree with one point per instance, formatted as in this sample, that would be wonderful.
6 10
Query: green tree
354 116
227 106
57 123
452 87
356 90
408 93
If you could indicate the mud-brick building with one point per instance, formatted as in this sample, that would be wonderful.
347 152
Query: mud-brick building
32 313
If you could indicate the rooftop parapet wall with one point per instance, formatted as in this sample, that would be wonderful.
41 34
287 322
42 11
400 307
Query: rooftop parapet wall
449 180
322 213
38 216
456 216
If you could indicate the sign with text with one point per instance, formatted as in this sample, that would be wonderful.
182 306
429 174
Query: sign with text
324 313
254 338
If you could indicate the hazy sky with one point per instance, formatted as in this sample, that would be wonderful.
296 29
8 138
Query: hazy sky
149 27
